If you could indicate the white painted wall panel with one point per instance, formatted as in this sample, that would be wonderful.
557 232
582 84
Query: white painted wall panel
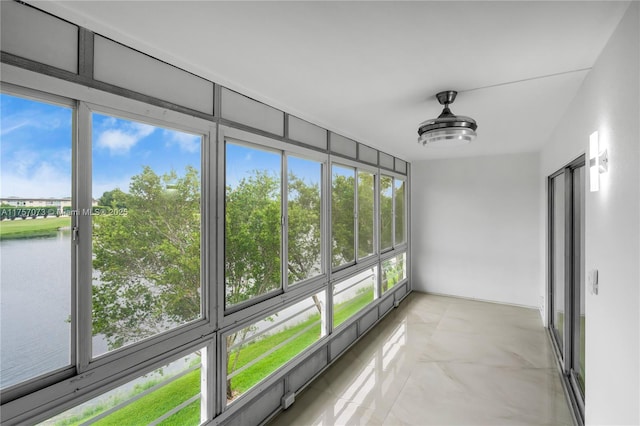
35 35
343 146
478 231
367 154
609 101
386 161
307 133
127 68
244 110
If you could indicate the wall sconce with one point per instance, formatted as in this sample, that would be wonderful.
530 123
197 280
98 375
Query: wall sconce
598 162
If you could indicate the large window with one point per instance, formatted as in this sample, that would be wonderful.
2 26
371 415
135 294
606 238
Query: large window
394 271
304 224
253 226
256 351
146 230
399 211
353 294
393 228
169 395
152 275
386 212
366 213
343 215
35 238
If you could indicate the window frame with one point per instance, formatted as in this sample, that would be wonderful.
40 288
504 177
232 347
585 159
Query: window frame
357 262
75 382
280 297
395 246
85 175
388 256
104 373
352 273
53 376
375 235
273 376
321 159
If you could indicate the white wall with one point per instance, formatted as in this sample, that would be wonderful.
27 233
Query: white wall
608 101
476 227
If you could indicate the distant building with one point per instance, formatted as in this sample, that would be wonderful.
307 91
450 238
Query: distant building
59 203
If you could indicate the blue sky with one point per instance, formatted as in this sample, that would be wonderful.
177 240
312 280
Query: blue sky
35 152
35 148
243 160
121 148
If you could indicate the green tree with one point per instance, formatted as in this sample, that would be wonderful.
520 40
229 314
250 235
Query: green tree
399 191
252 237
148 259
342 219
304 247
386 211
366 219
114 198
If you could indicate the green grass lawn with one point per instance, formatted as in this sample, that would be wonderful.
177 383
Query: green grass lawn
266 366
29 228
159 402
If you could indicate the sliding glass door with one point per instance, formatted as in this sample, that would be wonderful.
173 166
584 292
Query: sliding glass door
566 189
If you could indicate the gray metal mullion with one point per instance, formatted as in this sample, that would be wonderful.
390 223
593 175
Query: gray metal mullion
75 337
328 252
208 376
393 211
82 230
85 53
356 213
210 213
221 362
220 226
407 225
284 223
549 245
568 269
377 230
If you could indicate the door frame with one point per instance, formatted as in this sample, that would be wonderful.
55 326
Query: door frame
573 243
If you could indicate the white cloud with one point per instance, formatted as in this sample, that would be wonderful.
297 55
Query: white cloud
187 142
43 180
35 118
10 127
120 141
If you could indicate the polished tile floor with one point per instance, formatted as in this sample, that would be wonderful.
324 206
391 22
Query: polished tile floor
440 361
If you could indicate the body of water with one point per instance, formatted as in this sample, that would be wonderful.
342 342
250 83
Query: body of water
35 307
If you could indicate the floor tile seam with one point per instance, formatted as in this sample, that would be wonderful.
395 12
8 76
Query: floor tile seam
395 399
484 364
482 333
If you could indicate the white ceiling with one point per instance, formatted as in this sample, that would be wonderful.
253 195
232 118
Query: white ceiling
370 70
